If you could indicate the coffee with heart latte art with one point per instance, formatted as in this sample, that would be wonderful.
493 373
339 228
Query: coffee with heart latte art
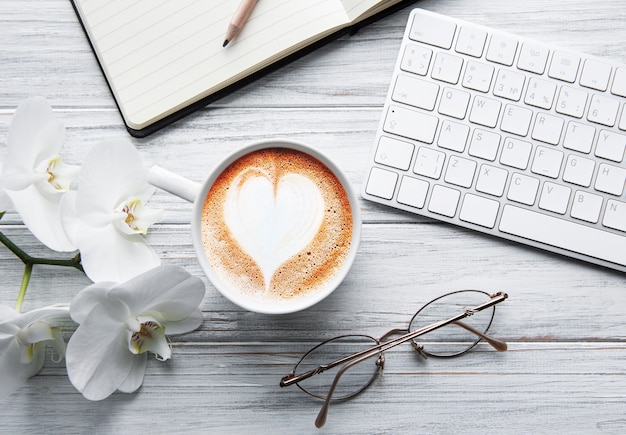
277 222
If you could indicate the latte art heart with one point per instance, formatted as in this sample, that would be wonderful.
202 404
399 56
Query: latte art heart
273 220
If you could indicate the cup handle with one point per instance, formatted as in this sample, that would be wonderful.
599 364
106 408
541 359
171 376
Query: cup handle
173 183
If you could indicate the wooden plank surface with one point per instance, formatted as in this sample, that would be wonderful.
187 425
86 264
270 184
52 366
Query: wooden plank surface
564 320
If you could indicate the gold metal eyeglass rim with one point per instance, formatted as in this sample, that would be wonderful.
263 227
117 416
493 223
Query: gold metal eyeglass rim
378 349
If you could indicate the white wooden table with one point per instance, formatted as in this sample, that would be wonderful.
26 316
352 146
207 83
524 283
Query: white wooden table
564 321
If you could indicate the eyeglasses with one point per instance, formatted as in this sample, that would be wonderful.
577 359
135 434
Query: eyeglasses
446 338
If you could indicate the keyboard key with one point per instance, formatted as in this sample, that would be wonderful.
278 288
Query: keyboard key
568 235
523 189
579 137
603 110
615 215
432 30
622 122
393 152
460 171
516 153
485 111
547 162
454 103
540 93
509 85
412 192
471 41
453 136
447 68
416 59
619 83
611 145
564 66
586 206
484 144
480 211
415 92
554 197
478 76
429 162
410 123
516 120
444 201
610 179
571 102
595 75
381 183
578 170
502 49
533 57
547 128
491 180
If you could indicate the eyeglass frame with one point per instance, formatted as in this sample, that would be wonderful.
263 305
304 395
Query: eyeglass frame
378 349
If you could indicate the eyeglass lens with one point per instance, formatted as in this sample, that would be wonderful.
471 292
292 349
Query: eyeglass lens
352 382
453 339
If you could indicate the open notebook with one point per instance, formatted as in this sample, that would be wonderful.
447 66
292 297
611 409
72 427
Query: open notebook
164 58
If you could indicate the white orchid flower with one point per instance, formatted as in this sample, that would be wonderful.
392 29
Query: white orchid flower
5 201
23 339
34 177
106 217
120 323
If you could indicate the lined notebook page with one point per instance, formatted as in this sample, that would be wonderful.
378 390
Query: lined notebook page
162 55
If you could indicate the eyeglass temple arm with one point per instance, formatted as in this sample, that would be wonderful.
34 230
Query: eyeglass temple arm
498 345
323 414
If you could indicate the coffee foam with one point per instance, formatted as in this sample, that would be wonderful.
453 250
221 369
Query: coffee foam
288 224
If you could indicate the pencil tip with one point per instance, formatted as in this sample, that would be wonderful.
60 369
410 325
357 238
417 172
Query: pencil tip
226 41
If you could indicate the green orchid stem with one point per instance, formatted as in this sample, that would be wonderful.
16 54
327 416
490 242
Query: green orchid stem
29 262
28 270
27 259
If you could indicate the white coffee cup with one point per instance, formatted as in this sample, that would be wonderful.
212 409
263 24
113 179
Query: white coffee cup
258 301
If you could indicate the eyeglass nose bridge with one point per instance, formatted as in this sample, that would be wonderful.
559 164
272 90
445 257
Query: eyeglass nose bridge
419 348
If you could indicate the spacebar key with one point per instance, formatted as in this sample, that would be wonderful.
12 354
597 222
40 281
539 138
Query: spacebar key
563 234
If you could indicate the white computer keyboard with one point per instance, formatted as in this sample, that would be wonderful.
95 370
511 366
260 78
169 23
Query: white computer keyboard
507 136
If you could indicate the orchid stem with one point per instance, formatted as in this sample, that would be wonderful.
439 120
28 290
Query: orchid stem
27 259
29 262
28 269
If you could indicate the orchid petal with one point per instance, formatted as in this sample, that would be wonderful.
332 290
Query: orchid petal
5 201
36 332
169 291
14 373
41 215
97 295
108 255
7 314
22 320
183 326
111 172
97 357
33 134
88 298
135 377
